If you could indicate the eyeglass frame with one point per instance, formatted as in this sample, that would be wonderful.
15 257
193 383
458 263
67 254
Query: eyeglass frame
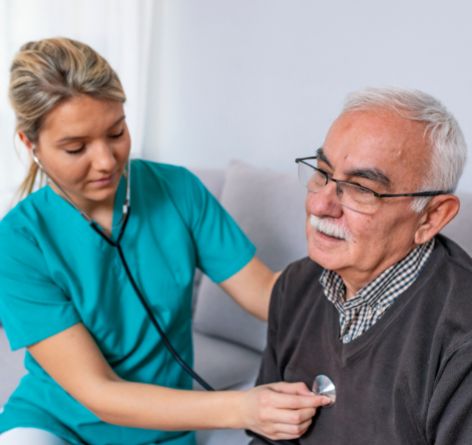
427 193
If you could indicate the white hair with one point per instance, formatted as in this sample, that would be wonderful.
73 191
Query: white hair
448 147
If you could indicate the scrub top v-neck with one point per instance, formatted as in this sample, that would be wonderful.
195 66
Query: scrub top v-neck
55 271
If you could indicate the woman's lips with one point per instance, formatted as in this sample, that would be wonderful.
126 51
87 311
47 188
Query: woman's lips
104 181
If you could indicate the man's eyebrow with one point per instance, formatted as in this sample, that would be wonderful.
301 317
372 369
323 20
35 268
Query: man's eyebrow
322 157
371 174
78 137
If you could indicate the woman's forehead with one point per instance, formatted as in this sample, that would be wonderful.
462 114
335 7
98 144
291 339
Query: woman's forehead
82 114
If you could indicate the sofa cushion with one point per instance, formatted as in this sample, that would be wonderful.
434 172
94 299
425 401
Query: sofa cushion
11 368
269 206
223 364
226 437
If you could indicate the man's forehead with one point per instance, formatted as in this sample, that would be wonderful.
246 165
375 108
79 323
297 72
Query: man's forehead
377 134
380 123
379 145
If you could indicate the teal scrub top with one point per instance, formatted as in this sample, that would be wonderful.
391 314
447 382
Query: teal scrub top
55 271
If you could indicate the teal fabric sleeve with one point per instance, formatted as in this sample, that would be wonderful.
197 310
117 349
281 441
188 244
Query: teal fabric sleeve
32 307
222 248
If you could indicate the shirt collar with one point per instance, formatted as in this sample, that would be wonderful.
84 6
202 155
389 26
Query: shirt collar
389 284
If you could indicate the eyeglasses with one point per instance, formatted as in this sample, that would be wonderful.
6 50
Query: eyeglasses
350 194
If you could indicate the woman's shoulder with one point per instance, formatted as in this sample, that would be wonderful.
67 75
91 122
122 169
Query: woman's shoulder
25 212
174 178
18 234
162 170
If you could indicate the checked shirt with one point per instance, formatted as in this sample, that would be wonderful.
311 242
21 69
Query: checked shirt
362 311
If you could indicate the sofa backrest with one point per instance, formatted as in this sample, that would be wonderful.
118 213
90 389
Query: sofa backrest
269 206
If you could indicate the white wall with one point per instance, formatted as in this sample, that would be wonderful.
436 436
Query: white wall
118 29
261 80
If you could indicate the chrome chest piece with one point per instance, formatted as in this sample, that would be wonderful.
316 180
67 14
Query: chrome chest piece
324 386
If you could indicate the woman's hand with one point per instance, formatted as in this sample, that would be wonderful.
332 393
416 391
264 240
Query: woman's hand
280 411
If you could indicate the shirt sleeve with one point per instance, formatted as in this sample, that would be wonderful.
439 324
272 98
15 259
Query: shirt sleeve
222 248
32 306
449 417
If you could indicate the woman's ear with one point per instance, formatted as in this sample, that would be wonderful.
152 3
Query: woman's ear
23 138
439 212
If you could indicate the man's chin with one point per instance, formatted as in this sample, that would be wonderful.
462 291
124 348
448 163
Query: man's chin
327 258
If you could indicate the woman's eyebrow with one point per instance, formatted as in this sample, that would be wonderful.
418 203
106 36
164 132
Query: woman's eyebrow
119 120
78 137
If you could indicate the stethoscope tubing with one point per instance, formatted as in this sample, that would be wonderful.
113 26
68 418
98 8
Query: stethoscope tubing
167 343
117 244
145 303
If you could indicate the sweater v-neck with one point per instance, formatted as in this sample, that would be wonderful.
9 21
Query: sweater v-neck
348 352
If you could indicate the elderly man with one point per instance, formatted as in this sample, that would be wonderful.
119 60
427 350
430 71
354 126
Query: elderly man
383 304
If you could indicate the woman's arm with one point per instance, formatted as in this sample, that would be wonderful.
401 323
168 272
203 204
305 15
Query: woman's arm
251 287
73 360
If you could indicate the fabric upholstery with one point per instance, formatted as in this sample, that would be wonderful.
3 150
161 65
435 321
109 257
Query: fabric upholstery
269 206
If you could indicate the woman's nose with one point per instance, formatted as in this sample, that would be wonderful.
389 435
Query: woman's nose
104 157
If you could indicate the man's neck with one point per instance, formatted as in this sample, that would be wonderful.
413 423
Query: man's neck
355 281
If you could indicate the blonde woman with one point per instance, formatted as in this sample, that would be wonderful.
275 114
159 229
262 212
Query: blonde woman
98 372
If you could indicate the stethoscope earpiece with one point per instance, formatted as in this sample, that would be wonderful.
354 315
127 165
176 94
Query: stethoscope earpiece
35 158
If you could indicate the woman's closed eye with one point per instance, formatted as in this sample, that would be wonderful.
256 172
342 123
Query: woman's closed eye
118 134
75 151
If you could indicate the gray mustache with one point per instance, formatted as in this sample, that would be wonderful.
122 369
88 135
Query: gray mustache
329 228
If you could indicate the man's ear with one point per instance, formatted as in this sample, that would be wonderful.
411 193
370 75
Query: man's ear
438 212
23 138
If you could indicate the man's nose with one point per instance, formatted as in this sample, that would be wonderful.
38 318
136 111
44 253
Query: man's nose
324 202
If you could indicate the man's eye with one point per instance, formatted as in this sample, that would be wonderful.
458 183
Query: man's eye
359 189
362 190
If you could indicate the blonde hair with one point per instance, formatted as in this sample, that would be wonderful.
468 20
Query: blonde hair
48 72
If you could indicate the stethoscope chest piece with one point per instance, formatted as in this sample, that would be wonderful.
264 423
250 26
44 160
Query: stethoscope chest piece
324 386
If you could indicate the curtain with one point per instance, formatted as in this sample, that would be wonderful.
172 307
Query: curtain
120 30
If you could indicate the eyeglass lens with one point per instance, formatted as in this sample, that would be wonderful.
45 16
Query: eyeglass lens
350 195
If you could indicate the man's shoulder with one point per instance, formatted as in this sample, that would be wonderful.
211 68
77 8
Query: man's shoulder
450 269
304 267
446 278
454 253
298 277
443 294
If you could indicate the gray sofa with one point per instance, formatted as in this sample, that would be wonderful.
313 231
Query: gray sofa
269 206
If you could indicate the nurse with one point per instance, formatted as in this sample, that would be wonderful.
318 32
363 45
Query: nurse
98 373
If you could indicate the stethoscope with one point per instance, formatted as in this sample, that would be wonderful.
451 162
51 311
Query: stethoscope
322 384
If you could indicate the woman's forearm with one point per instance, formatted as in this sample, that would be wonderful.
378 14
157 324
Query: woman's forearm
154 407
279 410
